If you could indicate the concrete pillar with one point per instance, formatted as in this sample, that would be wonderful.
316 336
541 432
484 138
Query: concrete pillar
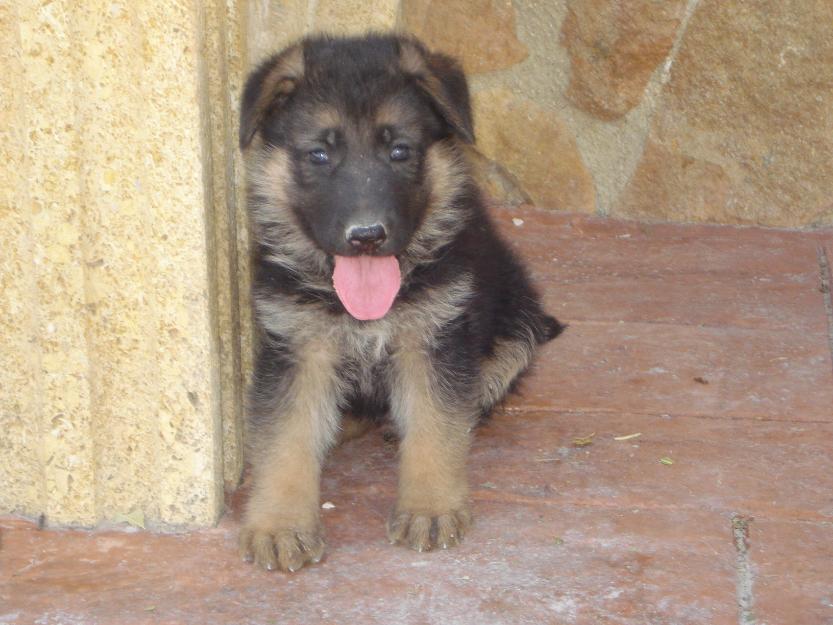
121 266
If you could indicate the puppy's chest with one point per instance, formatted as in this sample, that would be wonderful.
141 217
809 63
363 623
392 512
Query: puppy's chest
366 358
367 348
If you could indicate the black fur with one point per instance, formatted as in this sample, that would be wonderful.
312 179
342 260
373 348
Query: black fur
341 133
358 75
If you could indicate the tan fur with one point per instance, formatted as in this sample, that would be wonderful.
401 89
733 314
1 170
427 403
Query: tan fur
287 462
447 173
270 179
327 117
363 342
352 427
394 113
497 373
432 508
411 59
324 357
269 175
280 81
281 527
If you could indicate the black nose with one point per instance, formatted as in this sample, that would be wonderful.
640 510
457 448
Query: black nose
367 238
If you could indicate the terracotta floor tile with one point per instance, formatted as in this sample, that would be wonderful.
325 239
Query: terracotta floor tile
590 244
722 361
792 572
661 369
773 469
642 542
523 563
699 301
620 271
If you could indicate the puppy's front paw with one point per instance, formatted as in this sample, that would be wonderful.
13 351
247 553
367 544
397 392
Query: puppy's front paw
426 531
286 549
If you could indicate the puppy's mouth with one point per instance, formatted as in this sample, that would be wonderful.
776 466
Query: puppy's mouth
367 285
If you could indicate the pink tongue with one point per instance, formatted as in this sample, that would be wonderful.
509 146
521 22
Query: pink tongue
367 285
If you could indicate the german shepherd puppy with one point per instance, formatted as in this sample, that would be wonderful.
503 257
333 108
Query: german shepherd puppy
381 288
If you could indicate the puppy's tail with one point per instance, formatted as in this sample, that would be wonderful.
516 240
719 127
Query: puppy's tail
546 328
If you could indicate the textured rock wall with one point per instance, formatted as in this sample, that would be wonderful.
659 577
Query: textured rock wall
121 353
681 110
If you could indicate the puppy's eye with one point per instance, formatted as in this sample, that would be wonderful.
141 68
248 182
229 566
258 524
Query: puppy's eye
319 157
400 153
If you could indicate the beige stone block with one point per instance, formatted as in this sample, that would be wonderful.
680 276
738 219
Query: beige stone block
224 46
534 149
614 47
673 187
45 192
122 359
354 16
480 33
273 24
744 131
21 476
495 180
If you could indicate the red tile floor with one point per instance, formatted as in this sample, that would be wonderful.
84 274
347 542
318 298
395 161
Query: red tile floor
713 343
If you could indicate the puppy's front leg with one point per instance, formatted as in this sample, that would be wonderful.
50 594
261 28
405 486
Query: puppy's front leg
300 423
434 416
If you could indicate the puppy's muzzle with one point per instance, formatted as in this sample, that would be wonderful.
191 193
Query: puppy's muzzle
367 239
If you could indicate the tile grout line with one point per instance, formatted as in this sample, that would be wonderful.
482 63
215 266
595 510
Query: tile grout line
674 324
740 534
826 279
491 493
607 412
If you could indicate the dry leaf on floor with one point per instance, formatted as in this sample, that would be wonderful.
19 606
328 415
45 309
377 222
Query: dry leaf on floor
584 441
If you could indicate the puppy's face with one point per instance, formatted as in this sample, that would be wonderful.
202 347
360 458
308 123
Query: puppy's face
354 130
357 168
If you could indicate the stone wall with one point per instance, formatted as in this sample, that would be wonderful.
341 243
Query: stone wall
697 110
680 110
124 316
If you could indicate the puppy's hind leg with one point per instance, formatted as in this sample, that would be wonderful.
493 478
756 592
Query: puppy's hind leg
511 356
281 527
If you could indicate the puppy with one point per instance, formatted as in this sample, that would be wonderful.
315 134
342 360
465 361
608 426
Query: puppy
381 289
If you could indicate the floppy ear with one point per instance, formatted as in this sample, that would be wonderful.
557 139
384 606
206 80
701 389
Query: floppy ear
443 81
270 85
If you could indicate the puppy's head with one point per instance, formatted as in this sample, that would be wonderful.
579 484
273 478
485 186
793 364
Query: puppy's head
354 141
